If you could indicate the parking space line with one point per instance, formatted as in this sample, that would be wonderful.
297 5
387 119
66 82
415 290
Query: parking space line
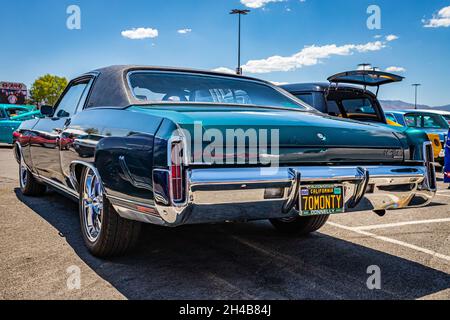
443 195
393 241
400 224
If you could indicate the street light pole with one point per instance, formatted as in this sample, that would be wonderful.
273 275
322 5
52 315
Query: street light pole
416 86
363 66
239 13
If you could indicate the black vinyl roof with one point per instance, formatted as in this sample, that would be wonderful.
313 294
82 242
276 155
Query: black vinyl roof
110 88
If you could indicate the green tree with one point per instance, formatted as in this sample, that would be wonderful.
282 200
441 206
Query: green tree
47 89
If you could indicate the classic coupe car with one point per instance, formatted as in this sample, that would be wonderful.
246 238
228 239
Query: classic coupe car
11 116
122 141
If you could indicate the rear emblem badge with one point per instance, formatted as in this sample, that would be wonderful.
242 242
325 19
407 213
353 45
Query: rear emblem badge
322 137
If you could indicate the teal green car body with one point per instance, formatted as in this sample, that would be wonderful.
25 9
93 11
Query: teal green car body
9 124
298 131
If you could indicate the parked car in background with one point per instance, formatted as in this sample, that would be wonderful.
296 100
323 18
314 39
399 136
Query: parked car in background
11 116
341 98
430 122
346 96
123 142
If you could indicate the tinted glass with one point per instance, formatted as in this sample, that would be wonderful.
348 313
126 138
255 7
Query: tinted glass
190 88
68 104
391 117
306 97
358 106
432 122
447 118
12 112
425 121
333 109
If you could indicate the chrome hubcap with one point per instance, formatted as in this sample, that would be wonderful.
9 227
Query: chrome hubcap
23 174
92 206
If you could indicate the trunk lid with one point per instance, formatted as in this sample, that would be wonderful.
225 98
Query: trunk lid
303 136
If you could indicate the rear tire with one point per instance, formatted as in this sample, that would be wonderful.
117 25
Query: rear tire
28 184
300 225
105 233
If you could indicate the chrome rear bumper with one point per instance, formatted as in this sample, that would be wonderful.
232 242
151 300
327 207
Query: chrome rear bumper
240 194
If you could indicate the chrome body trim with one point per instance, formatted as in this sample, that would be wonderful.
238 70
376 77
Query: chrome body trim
127 209
237 194
58 186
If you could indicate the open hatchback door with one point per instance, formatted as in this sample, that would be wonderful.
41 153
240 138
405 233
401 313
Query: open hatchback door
366 78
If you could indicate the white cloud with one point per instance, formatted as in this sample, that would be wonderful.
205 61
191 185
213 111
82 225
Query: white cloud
395 69
378 36
224 70
140 33
309 56
442 19
255 4
391 37
184 31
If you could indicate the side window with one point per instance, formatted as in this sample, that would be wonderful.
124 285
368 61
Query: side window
413 121
333 108
307 98
391 117
2 114
69 102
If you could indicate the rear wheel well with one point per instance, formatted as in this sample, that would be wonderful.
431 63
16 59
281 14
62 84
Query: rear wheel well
17 152
76 174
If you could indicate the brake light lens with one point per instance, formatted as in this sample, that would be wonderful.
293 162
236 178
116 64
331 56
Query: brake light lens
176 172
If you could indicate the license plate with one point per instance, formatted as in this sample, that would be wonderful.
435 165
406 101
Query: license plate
321 200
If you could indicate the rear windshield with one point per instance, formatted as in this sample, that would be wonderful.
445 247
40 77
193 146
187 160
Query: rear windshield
173 87
358 107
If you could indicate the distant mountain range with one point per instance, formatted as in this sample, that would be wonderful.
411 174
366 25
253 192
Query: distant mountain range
400 105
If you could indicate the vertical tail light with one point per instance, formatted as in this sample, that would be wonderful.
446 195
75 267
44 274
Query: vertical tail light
429 163
176 172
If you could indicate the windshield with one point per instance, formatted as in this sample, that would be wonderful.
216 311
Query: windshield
426 121
12 112
193 88
447 118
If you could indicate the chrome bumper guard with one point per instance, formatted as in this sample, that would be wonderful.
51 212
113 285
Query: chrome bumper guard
240 194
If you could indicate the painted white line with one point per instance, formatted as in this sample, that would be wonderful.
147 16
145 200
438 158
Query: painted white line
400 224
443 195
393 241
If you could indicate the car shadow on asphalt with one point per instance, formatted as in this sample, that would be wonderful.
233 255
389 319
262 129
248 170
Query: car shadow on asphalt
242 261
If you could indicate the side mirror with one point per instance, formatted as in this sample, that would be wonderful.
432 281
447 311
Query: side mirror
47 111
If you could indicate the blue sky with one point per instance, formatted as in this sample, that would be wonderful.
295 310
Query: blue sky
36 40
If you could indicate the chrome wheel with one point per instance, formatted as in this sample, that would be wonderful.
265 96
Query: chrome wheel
92 205
23 174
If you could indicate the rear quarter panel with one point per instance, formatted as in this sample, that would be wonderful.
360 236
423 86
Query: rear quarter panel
120 145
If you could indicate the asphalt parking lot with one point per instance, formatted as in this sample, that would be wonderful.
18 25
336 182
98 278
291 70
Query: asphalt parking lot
40 240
